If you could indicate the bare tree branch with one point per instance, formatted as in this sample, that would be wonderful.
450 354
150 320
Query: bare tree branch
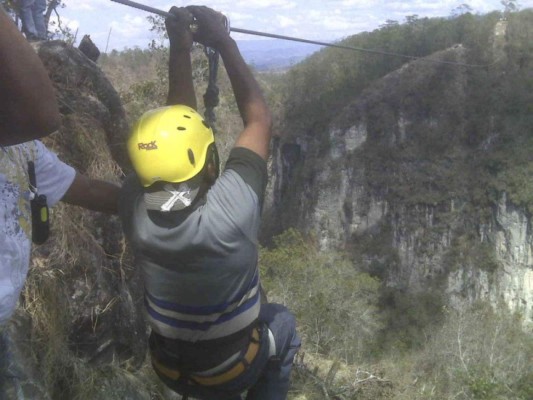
51 8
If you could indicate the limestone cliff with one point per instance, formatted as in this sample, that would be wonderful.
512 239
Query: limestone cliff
414 178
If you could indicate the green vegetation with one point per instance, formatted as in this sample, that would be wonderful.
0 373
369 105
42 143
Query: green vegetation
331 78
467 251
335 305
480 353
362 340
461 152
464 122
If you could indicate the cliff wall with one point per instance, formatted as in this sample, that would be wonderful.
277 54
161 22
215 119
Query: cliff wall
415 179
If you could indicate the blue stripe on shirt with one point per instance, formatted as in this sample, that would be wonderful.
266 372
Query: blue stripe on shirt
201 326
203 310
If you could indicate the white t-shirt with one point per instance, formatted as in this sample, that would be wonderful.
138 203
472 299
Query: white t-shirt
53 180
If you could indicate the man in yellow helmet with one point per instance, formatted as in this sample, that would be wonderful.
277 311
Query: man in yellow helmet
194 233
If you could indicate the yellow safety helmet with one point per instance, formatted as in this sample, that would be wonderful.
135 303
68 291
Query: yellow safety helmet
169 144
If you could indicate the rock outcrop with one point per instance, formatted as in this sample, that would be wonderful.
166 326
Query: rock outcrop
399 185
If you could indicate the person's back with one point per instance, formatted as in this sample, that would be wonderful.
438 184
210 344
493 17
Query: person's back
209 247
195 235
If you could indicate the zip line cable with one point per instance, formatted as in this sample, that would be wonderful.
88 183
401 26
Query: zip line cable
294 39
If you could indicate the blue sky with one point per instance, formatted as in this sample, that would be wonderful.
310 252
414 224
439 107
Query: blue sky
323 20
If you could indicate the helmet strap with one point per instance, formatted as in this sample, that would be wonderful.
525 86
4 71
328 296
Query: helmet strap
215 159
211 168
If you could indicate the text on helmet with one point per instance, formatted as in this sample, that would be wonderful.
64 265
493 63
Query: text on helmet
147 146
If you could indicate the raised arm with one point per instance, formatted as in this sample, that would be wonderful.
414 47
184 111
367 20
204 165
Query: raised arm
28 107
180 84
252 106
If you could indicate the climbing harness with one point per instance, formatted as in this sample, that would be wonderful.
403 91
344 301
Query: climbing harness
224 372
294 39
215 376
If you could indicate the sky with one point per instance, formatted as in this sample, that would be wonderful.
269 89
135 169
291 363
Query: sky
322 20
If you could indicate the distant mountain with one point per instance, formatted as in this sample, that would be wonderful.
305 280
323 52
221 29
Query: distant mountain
275 54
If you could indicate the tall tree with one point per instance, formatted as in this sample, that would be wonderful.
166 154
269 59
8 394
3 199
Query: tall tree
509 6
461 9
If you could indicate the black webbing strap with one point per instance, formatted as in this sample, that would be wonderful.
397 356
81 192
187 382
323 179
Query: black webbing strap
211 94
40 224
31 176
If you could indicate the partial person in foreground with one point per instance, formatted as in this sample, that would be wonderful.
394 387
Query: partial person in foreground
25 115
195 233
32 16
54 181
29 172
28 106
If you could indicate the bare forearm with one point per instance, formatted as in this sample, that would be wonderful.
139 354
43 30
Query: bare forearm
180 84
254 111
248 95
28 107
181 89
93 194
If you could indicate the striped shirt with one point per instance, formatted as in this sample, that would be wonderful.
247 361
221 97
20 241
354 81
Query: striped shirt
200 267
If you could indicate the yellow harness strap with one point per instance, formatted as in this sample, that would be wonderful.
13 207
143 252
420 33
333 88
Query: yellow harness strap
232 373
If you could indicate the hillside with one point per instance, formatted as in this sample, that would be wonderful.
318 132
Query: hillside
420 172
274 55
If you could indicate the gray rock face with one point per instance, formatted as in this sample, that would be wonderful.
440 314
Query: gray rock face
84 91
398 187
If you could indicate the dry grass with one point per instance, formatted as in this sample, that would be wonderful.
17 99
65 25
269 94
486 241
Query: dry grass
316 377
72 277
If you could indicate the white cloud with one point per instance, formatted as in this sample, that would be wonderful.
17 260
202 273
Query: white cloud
285 22
86 5
262 4
130 25
308 19
72 24
237 18
358 3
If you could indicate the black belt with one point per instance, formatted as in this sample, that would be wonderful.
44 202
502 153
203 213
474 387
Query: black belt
201 355
232 371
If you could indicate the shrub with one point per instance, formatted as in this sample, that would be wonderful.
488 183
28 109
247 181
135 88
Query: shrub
335 305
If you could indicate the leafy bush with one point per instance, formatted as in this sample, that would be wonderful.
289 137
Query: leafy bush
480 353
335 305
409 319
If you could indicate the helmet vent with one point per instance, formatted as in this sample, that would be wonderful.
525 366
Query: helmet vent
187 116
206 124
181 128
191 156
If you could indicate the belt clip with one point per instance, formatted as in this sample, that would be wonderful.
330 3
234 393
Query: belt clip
271 344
